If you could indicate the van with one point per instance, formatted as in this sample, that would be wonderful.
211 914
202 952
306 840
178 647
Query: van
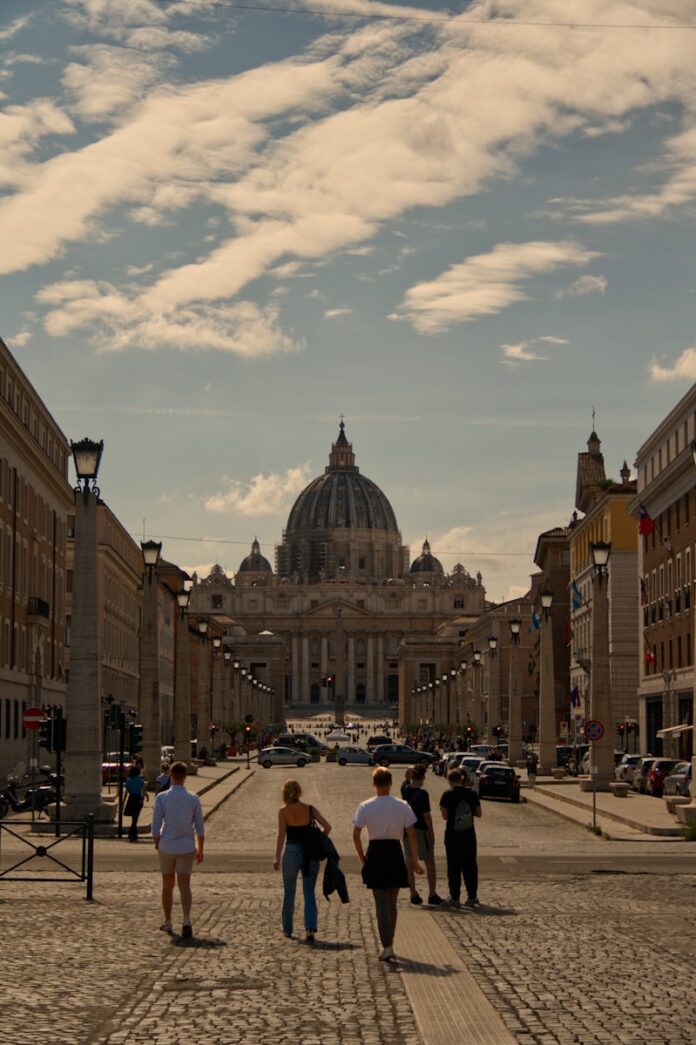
300 741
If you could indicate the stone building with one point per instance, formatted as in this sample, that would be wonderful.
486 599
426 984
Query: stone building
343 598
35 500
552 556
605 506
666 563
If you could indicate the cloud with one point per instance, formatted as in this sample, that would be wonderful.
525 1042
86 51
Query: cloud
683 369
521 353
335 313
262 495
110 79
21 339
14 27
584 285
484 284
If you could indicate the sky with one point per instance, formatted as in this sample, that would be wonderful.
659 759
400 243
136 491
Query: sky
463 228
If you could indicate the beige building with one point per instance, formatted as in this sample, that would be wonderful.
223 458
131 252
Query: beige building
343 598
35 499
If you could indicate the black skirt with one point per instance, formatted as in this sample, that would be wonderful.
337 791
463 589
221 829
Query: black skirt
384 866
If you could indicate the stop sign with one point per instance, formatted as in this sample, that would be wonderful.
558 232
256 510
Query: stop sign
32 718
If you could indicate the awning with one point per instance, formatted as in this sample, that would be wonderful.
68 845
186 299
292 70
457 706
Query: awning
673 731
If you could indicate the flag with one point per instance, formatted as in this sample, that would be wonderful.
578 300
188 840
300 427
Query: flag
534 623
575 596
531 664
645 524
574 697
643 593
649 655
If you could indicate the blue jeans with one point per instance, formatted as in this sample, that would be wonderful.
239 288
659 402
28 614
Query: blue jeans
292 866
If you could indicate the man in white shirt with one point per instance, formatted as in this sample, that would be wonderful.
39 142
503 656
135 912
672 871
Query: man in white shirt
383 866
178 832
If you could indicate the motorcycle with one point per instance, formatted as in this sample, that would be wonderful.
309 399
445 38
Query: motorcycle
37 798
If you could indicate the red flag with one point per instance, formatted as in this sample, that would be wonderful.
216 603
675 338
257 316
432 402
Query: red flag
646 525
649 655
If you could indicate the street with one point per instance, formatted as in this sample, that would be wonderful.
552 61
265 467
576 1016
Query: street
564 949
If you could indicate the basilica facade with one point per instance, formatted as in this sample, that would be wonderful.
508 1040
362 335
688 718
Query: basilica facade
344 600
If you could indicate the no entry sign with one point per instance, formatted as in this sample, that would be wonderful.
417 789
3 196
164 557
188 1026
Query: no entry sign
32 718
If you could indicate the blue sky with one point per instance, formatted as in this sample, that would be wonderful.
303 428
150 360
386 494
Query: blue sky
223 228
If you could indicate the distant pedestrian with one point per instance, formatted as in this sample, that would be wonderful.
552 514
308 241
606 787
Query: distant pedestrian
459 806
294 817
136 796
383 866
178 831
419 801
406 782
532 763
163 780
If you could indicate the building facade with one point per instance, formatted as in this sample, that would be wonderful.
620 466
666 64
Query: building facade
666 493
343 598
35 500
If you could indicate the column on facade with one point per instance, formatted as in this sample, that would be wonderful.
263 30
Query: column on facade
379 670
305 669
149 678
324 657
295 671
182 691
370 670
515 707
600 685
547 701
350 672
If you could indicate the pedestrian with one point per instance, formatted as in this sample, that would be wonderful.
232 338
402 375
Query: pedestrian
419 801
294 818
178 832
406 783
163 780
383 866
136 796
459 806
532 763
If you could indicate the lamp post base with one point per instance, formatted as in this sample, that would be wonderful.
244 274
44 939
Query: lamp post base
80 807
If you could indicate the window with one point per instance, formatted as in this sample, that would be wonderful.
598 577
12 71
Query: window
216 602
458 604
360 603
361 564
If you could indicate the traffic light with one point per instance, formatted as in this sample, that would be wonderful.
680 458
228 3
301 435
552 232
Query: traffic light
135 739
329 681
621 728
323 681
247 731
46 734
60 729
469 730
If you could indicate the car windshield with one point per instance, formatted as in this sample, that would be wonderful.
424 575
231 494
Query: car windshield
500 771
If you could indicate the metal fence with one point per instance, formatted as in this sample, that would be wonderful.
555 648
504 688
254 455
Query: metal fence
46 856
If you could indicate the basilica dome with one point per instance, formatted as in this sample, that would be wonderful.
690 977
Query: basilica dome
341 526
426 562
256 562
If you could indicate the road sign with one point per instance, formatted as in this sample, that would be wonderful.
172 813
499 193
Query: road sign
594 730
32 718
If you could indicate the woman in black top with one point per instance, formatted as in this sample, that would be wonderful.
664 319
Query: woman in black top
294 818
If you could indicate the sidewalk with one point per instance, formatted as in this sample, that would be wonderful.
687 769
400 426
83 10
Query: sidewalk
633 818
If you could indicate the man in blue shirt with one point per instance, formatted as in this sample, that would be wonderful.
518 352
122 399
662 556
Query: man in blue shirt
178 832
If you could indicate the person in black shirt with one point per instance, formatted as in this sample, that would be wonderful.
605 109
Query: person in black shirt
460 845
419 801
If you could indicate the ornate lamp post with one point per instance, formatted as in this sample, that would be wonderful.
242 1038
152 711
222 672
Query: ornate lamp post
83 745
600 681
476 684
150 711
515 706
493 713
461 696
182 682
547 690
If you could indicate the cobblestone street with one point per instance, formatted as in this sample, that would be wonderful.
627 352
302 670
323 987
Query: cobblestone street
581 958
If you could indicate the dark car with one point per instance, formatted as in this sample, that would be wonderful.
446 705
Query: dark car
498 781
376 741
661 769
400 755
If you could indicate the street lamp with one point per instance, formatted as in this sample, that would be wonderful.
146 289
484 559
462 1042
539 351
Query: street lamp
515 703
602 751
151 553
87 458
217 643
546 597
600 552
477 658
227 657
202 628
515 628
183 598
547 690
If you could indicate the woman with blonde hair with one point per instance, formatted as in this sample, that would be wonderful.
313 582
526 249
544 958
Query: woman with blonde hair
294 817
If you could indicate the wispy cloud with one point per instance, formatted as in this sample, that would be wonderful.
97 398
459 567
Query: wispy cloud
262 495
20 339
515 355
683 368
584 285
485 283
335 313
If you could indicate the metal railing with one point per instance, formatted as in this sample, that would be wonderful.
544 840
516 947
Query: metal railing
73 829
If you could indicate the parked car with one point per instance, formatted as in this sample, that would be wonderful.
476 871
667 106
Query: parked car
377 741
354 756
442 766
400 755
640 773
282 756
481 749
624 771
496 779
109 767
661 768
300 741
679 781
469 764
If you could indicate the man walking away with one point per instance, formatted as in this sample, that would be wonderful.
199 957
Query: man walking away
178 832
419 801
383 867
459 806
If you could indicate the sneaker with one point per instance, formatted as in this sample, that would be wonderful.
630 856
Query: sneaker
309 938
470 901
435 900
289 935
477 901
186 930
387 954
166 927
449 902
416 899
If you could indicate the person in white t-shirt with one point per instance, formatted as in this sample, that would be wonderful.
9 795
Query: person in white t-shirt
383 867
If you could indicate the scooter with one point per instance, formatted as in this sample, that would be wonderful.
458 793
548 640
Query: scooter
38 798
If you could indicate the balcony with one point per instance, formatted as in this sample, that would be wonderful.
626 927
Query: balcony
38 609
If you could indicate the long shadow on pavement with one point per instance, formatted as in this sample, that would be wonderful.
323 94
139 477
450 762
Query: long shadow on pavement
198 942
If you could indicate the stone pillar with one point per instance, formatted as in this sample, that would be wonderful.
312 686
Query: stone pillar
379 671
296 694
515 707
305 669
547 702
493 696
340 681
324 660
370 670
600 686
149 679
83 706
182 691
350 673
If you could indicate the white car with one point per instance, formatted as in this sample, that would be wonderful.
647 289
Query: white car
354 756
624 771
282 756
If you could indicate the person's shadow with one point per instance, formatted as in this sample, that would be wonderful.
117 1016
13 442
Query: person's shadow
197 942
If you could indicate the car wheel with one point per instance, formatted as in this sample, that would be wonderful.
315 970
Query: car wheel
516 799
342 762
384 762
371 762
301 763
267 763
